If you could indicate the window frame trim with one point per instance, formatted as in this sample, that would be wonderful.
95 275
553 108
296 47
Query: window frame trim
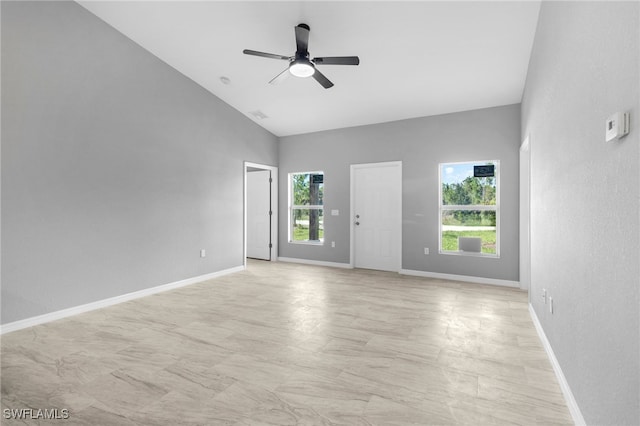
292 207
468 207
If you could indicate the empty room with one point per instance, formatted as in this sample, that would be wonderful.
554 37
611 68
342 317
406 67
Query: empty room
320 212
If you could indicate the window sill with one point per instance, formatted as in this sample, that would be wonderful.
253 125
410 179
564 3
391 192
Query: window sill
470 253
308 243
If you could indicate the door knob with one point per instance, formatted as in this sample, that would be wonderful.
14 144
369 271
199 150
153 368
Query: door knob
357 223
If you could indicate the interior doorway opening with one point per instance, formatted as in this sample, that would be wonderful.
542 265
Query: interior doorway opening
260 212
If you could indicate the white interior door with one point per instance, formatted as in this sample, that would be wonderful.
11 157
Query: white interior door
258 214
376 191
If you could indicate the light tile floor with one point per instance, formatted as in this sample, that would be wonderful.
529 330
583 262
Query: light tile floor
287 344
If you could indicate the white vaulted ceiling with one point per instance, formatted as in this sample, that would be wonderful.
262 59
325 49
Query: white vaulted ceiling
417 58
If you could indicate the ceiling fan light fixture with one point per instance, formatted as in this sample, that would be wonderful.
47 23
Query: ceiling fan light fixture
301 69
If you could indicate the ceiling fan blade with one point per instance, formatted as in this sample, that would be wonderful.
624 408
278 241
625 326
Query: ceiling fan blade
280 77
320 78
302 37
265 55
337 60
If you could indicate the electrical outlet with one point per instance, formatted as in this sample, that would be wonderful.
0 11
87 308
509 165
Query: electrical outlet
551 305
426 250
203 253
333 243
544 295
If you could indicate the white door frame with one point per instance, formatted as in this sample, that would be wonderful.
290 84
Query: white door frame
274 209
525 214
352 212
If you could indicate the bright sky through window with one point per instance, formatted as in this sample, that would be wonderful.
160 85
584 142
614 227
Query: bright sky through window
454 173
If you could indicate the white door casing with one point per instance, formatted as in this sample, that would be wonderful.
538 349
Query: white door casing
525 214
376 215
249 168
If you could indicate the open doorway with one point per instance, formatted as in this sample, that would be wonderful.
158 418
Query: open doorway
260 212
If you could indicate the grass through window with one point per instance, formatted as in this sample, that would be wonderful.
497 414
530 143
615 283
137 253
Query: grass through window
450 240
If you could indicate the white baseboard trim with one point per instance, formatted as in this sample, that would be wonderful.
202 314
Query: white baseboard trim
466 278
315 262
53 316
576 414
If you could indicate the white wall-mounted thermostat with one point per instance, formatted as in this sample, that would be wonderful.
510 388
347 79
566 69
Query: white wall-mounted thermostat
617 126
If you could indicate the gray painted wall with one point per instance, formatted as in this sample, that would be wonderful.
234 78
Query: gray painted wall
585 209
421 144
116 169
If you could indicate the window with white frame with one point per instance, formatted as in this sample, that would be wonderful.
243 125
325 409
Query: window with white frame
470 208
306 212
